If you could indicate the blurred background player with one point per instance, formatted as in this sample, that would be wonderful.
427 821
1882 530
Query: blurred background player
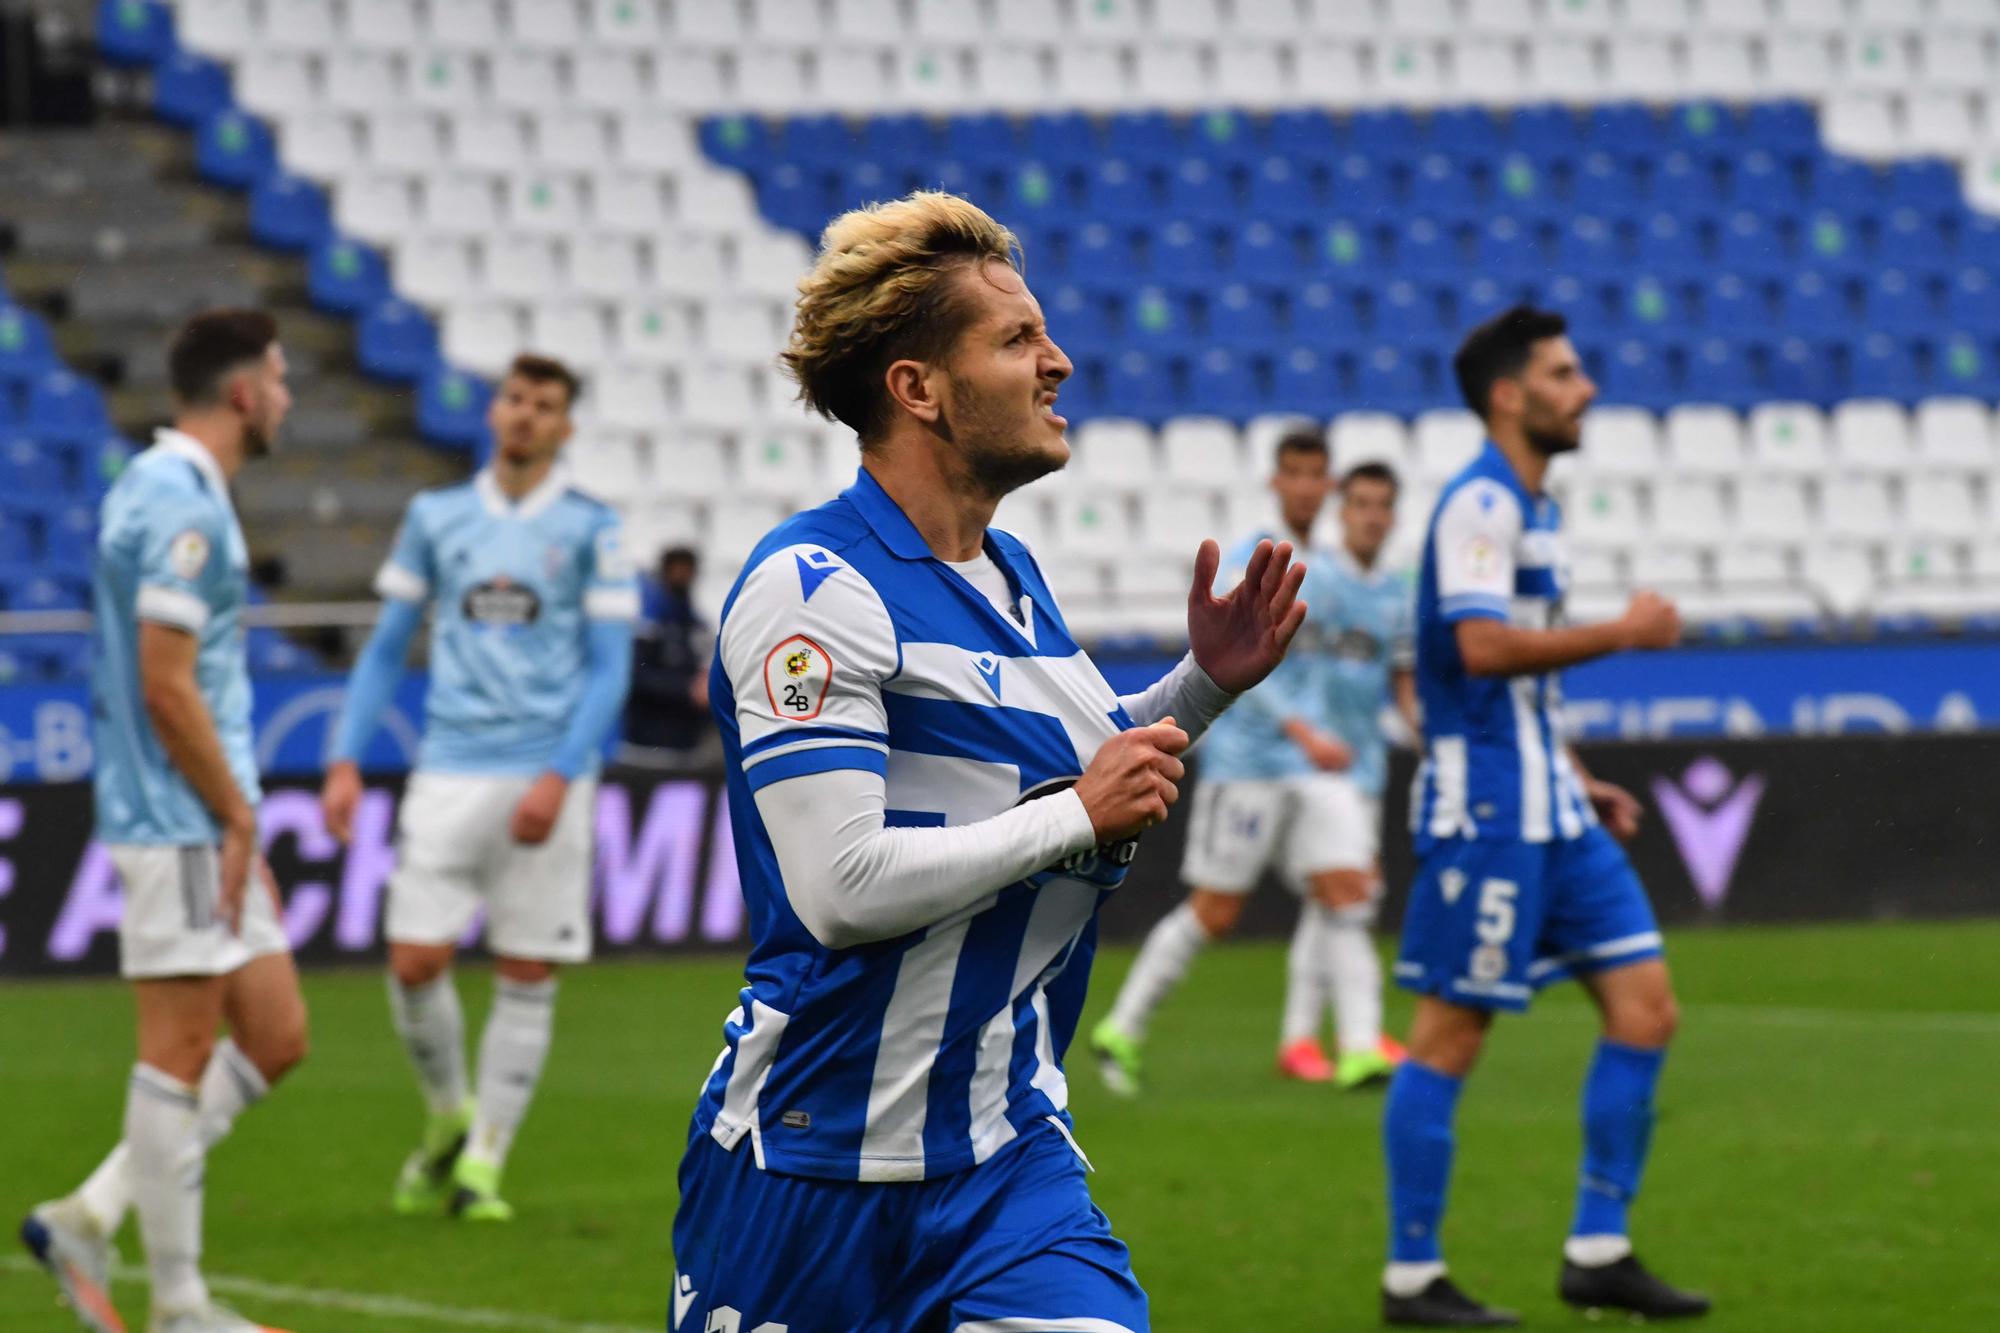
201 938
531 651
667 723
1291 777
1518 883
933 790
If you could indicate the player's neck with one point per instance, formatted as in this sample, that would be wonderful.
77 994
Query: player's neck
520 479
221 435
1366 560
949 515
1530 464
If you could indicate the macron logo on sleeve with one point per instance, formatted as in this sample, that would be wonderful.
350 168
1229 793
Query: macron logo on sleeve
815 568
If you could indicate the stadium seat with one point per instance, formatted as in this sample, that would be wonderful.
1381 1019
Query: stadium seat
1772 509
234 150
1856 508
523 268
342 276
189 89
65 408
436 271
404 141
135 32
1871 436
1955 434
1603 514
1204 451
289 213
396 342
1942 505
451 408
1690 511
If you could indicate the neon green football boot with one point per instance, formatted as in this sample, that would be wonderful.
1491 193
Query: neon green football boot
476 1192
1362 1069
1118 1059
424 1184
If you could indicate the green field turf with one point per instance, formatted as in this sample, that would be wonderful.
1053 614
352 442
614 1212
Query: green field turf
1828 1156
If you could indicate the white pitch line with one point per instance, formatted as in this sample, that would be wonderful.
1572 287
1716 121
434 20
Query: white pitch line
366 1304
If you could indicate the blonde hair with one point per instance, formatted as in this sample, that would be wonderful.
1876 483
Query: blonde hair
881 291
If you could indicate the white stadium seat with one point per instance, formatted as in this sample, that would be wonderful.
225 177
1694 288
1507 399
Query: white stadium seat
1690 512
405 140
1330 73
607 268
1444 441
1176 522
1874 61
632 397
1369 437
1798 64
487 140
656 138
374 208
1667 566
1788 438
465 25
1861 125
320 144
1953 59
655 332
381 25
610 465
436 271
627 203
1939 124
1621 442
443 80
526 80
1093 523
1871 436
1603 514
546 25
1565 67
571 331
1772 509
1091 77
275 85
719 396
221 28
1170 77
1486 69
1505 18
1941 505
1723 65
1810 15
544 203
1407 71
1112 20
1856 507
1955 434
781 461
1182 20
1204 451
632 25
1645 66
1705 440
1752 564
573 139
1672 18
363 81
523 268
1115 455
481 337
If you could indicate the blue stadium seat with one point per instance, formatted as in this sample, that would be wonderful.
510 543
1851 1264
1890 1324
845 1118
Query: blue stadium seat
1979 240
1101 256
1444 187
1480 300
188 90
1803 370
1387 134
396 341
1069 138
820 141
1965 363
1037 193
1636 373
1240 316
1304 380
1077 319
1405 314
1320 314
797 197
1624 127
1546 130
346 276
1782 126
1520 185
1668 242
1141 386
988 139
1652 304
1885 366
1844 185
47 593
1913 238
1703 126
1722 370
1262 250
1200 191
1971 302
451 407
1897 304
864 182
32 471
1159 321
1222 383
25 345
1827 239
1606 176
974 180
736 141
1505 246
1183 253
1427 248
1120 190
17 536
1358 188
1745 242
1228 138
1926 184
1388 379
1467 131
1306 136
69 537
1764 183
134 32
1587 243
1730 303
904 140
1813 303
65 407
1148 137
235 150
289 213
1349 246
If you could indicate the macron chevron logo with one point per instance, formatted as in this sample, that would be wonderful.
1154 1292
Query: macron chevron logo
989 669
815 568
684 1295
1709 813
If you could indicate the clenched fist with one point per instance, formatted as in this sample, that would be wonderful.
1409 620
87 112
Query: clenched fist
1133 779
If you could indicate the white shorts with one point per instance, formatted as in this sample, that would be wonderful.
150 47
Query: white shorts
456 855
171 927
1301 826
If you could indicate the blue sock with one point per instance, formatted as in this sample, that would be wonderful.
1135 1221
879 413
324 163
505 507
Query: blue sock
1416 1137
1617 1128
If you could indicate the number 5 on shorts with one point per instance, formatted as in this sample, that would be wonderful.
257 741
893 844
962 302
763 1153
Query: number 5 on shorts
1495 928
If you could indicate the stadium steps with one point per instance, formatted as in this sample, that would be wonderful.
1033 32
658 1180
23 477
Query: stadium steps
110 233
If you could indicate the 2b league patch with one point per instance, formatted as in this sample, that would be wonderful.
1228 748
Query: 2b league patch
796 674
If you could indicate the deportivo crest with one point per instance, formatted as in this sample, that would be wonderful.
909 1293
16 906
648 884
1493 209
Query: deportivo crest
796 675
188 553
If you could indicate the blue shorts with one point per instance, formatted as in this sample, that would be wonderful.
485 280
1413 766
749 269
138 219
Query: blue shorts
1491 922
1011 1244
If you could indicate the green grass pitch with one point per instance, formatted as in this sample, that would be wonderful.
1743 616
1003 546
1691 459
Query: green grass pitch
1826 1159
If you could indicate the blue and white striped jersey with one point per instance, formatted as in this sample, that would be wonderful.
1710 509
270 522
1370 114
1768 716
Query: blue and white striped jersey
1495 763
514 586
846 645
169 550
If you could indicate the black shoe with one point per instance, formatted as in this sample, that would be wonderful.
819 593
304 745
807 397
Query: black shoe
1442 1305
1626 1285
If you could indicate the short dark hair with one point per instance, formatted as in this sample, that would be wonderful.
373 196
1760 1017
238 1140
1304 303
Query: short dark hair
1302 440
538 369
1373 471
675 554
210 346
1499 349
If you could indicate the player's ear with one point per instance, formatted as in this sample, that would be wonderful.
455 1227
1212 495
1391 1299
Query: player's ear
1507 397
914 388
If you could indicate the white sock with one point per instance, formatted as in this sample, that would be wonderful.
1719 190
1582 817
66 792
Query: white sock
1596 1251
432 1027
1411 1279
230 1086
510 1063
1355 973
1163 960
161 1116
1305 974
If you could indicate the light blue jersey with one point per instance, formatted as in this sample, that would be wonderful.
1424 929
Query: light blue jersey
1364 638
1248 742
514 587
1496 765
169 550
846 645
